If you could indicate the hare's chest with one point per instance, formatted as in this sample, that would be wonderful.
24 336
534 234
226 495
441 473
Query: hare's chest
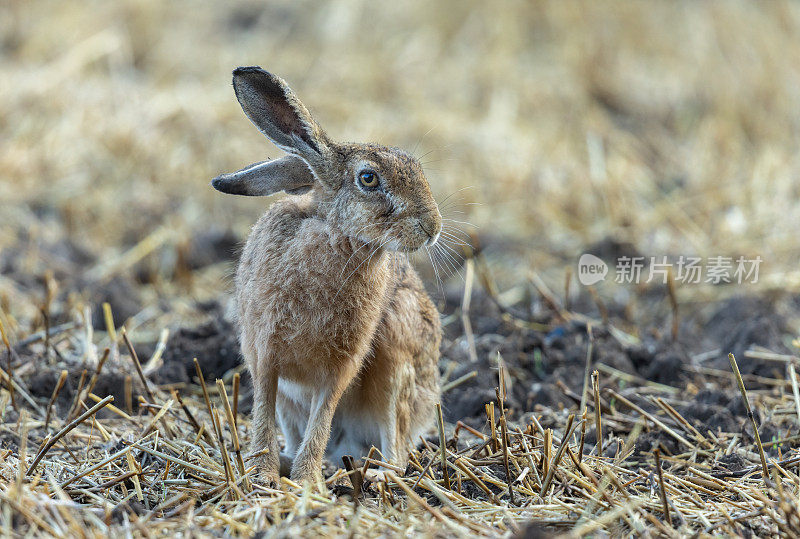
322 302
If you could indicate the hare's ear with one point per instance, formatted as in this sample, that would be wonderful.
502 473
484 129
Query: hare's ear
275 110
290 174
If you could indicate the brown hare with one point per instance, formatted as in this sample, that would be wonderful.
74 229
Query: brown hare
338 333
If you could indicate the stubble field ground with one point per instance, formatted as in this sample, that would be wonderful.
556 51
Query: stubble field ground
549 129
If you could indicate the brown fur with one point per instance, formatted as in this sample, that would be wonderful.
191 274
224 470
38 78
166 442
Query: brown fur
327 301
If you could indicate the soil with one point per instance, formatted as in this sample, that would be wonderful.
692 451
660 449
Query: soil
544 355
214 343
546 368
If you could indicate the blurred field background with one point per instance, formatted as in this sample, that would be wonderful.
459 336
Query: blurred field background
556 128
672 127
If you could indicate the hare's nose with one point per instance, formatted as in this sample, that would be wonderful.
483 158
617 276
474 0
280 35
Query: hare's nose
430 226
432 240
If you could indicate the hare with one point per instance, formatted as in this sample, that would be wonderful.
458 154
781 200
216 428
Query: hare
338 333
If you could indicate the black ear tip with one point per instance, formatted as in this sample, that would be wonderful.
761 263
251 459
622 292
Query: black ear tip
230 185
218 183
246 69
254 80
250 72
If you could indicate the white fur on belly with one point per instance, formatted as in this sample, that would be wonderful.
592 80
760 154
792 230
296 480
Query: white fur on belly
351 434
298 393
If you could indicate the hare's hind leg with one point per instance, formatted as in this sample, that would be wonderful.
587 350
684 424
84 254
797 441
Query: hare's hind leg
394 427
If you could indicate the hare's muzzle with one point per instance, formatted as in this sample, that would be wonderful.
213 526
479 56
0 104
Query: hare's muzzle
431 241
431 225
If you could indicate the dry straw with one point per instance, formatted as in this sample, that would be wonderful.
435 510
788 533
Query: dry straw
177 463
161 470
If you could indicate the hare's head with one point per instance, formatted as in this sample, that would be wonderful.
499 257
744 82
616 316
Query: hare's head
369 192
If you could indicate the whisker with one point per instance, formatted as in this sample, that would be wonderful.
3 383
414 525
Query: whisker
455 200
351 257
359 231
463 237
436 160
438 262
454 254
447 266
454 239
455 193
426 154
426 163
452 261
387 240
361 264
456 233
467 223
437 255
416 146
454 205
435 271
450 227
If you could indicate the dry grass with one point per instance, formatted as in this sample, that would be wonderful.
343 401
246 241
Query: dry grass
176 467
672 126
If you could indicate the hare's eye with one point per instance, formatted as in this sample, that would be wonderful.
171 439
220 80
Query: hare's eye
368 179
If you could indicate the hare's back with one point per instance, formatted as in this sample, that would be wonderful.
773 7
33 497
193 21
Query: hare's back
269 239
411 320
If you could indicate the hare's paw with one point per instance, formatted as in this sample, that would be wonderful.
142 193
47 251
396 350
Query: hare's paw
375 476
267 472
306 473
269 478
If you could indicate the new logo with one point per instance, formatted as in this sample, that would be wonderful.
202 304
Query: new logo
591 270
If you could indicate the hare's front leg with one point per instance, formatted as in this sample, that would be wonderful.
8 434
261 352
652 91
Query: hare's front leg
265 432
291 419
308 463
394 427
